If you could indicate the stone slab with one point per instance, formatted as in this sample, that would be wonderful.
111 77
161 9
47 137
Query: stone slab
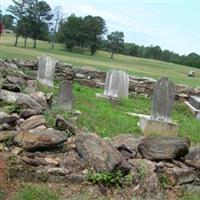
195 101
194 111
156 127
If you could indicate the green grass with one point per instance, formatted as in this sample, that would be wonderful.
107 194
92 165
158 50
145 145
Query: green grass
109 118
36 192
134 65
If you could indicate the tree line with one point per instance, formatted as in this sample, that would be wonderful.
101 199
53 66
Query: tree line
35 19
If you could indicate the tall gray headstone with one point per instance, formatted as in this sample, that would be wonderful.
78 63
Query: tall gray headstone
117 84
65 97
46 70
163 100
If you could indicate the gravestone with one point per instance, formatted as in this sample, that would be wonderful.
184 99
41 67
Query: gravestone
195 101
160 120
163 100
65 97
191 74
116 84
194 106
46 70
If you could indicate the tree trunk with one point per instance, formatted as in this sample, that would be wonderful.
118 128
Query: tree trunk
112 55
16 40
25 40
34 46
52 44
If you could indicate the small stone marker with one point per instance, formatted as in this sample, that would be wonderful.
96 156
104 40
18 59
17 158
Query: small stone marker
160 120
117 84
163 100
194 106
46 70
65 97
195 101
191 74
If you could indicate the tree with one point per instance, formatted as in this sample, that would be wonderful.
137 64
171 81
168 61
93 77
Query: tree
115 41
71 32
39 15
56 19
19 11
24 28
94 28
8 21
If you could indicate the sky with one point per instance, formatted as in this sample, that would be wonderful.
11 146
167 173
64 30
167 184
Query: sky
171 24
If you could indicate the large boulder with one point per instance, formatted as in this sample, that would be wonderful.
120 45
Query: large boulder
127 144
20 99
40 139
32 122
193 157
163 148
100 154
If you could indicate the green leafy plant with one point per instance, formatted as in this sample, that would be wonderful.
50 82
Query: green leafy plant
142 170
109 178
164 182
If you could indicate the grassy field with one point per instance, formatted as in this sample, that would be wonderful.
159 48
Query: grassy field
102 61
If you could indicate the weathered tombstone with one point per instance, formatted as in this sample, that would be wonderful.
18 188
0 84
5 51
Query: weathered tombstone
46 70
117 84
194 106
160 120
191 74
65 97
163 100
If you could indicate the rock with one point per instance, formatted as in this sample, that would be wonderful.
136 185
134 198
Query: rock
127 144
73 163
11 87
56 171
40 139
175 173
36 161
17 151
7 137
51 161
49 99
32 122
20 99
163 148
149 182
16 80
193 157
5 118
28 113
40 98
31 86
63 125
100 154
5 127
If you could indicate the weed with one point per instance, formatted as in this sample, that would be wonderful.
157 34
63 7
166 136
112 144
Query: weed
35 192
142 170
164 182
2 194
109 178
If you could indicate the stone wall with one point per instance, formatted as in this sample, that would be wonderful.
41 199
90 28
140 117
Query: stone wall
91 77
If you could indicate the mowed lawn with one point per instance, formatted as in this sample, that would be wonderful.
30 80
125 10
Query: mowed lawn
101 60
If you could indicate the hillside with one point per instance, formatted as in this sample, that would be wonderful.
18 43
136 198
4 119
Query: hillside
134 65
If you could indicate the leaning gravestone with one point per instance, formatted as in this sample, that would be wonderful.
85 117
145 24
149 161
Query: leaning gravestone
194 106
46 70
116 84
65 97
160 120
163 100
